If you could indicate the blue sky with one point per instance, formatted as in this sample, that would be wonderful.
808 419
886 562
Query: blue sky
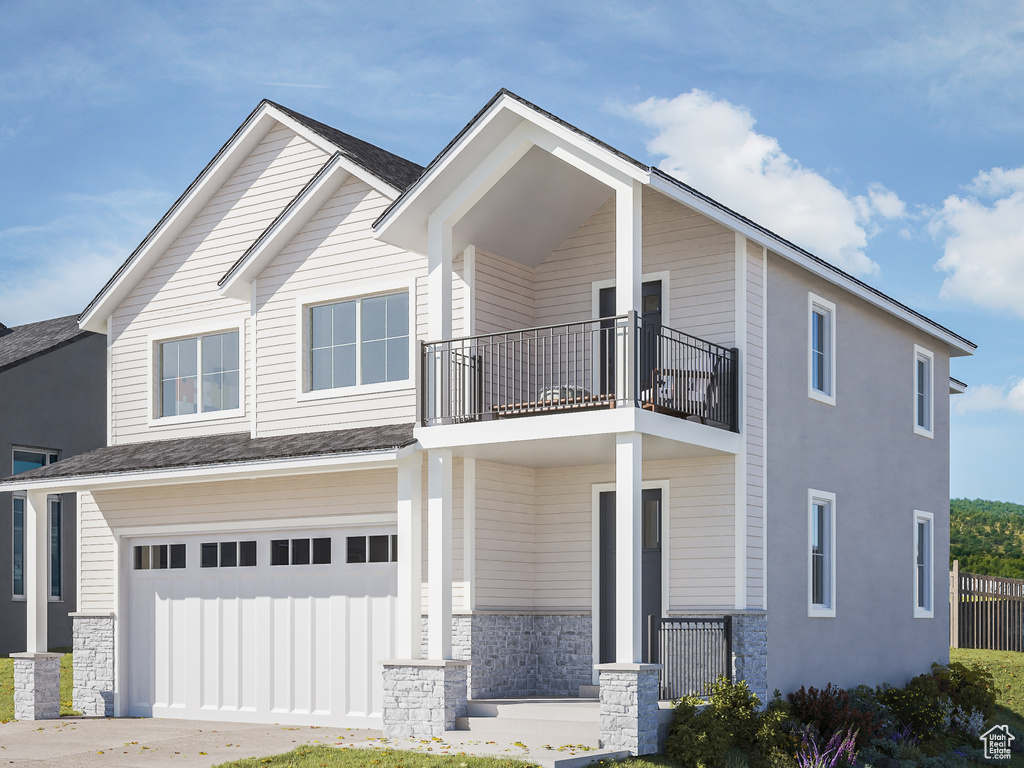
885 136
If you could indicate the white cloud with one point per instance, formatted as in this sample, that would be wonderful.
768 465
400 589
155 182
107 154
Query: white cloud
989 397
983 249
712 145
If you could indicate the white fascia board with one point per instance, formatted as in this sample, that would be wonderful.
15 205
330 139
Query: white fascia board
568 425
245 470
957 346
956 387
574 148
310 200
174 222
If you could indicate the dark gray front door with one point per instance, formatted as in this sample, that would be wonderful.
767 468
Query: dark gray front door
650 569
650 314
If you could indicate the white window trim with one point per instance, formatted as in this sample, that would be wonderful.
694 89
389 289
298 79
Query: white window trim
814 301
929 611
920 353
819 611
49 554
648 277
361 290
188 331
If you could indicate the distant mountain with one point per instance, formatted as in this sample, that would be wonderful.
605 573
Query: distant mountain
987 537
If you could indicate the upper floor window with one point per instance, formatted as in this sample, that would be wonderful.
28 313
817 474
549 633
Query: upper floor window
821 349
359 341
25 459
924 364
923 582
199 374
821 590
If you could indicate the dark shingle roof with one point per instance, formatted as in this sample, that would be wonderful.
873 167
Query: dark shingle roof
210 450
395 170
25 342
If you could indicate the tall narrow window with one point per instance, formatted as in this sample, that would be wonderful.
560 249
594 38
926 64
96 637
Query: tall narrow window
56 548
821 554
360 341
923 389
199 374
18 547
924 606
821 349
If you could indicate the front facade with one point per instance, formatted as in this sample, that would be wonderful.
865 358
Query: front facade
52 401
383 439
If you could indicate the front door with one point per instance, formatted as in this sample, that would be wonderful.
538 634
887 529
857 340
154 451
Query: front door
650 578
650 315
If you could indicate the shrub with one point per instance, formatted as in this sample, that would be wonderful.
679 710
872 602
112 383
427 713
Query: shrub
701 738
918 705
830 711
839 751
971 688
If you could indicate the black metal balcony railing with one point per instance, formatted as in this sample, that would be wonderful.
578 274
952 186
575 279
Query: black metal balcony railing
693 652
605 363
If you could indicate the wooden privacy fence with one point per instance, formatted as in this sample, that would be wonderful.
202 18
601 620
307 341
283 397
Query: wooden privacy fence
985 611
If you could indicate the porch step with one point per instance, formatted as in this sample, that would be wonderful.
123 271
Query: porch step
535 722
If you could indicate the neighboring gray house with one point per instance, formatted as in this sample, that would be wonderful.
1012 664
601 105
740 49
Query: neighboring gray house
386 438
52 405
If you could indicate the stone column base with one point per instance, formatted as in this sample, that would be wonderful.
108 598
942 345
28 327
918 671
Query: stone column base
36 686
422 698
750 652
93 692
629 707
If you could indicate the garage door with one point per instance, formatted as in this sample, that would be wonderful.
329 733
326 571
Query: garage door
275 626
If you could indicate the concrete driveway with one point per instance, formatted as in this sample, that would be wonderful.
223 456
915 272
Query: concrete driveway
84 742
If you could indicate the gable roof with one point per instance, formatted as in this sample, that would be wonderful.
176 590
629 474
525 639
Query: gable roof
683 193
214 450
394 172
25 342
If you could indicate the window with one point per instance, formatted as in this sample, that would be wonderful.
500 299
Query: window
372 549
227 554
25 459
55 547
923 389
156 557
300 551
360 341
821 565
199 374
821 349
923 576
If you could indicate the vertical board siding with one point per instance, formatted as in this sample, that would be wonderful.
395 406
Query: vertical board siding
754 420
506 537
182 284
333 257
329 494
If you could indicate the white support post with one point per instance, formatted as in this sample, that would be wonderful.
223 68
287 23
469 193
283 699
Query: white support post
36 569
439 559
469 533
409 604
439 280
628 279
628 560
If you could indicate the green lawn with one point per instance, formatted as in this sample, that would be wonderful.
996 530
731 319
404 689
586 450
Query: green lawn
1007 668
7 688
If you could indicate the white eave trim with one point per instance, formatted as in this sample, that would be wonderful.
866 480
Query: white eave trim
243 470
956 387
507 103
336 171
787 251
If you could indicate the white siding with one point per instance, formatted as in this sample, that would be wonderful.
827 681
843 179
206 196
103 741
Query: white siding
333 257
754 420
504 298
182 285
506 538
343 493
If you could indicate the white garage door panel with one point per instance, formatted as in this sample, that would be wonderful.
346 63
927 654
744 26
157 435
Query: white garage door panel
285 644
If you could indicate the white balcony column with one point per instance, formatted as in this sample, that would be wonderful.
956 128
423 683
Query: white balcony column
409 603
439 280
628 278
439 554
37 570
628 560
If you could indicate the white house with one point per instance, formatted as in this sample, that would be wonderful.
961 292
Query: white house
373 425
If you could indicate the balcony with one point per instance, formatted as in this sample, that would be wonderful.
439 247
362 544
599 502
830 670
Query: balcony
611 362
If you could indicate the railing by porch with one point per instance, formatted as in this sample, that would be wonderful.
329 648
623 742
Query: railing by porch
605 363
693 652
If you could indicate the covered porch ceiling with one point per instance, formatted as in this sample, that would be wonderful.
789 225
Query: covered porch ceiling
531 209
